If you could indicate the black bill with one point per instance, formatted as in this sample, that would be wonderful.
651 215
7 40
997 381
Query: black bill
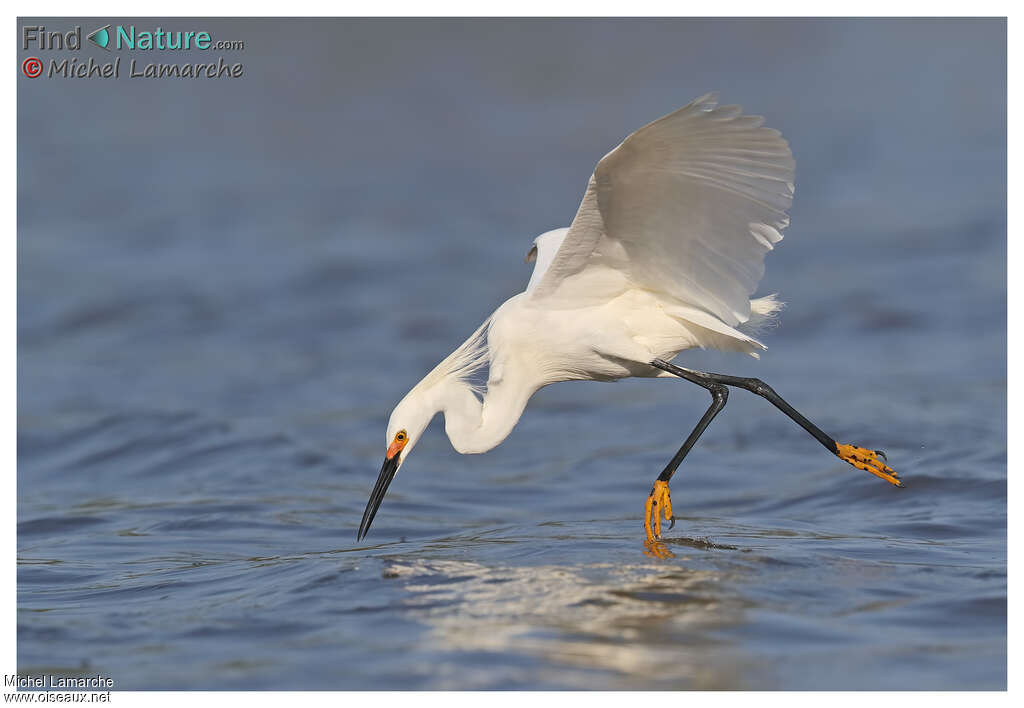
387 473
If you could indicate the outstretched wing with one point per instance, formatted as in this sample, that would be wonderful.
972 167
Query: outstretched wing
686 206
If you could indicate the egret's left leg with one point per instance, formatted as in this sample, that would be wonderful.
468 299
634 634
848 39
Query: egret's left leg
659 502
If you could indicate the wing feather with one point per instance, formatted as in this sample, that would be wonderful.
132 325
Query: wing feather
687 206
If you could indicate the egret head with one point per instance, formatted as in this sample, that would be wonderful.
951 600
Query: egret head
408 421
445 387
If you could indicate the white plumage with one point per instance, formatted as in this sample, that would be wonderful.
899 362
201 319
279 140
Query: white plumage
686 207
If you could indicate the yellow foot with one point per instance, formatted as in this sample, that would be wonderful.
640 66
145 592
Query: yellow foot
869 461
658 501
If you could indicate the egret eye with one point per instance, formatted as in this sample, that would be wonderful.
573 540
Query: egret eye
400 436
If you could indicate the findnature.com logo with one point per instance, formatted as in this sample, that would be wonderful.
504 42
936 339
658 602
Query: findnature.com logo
126 38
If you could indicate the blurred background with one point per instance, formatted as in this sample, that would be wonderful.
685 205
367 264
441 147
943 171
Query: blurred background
225 285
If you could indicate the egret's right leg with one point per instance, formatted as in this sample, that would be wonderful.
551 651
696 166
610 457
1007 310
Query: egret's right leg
872 461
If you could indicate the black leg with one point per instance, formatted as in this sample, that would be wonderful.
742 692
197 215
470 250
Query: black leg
719 397
659 501
861 458
755 386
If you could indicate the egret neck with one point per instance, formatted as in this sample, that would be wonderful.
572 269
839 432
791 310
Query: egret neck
474 426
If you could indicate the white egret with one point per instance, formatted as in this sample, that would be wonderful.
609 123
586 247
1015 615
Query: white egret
663 255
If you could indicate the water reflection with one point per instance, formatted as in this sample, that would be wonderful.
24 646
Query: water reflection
646 624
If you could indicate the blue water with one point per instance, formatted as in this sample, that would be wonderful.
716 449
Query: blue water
224 286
